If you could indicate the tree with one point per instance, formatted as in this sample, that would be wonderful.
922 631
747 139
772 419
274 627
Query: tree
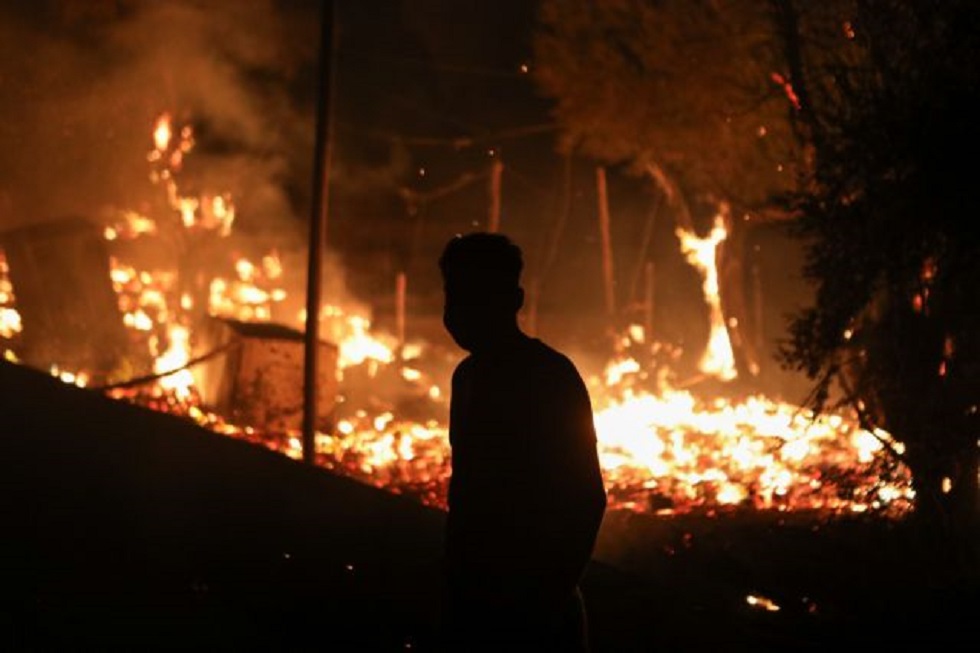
691 95
894 330
865 104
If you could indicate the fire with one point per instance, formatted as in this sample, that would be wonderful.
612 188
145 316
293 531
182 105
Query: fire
252 295
131 225
142 295
10 324
360 346
80 379
172 364
718 359
663 449
676 451
162 133
762 603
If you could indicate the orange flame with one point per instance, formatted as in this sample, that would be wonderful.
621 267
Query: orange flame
718 359
161 133
662 449
178 378
10 323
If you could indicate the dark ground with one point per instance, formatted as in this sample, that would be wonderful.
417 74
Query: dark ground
129 529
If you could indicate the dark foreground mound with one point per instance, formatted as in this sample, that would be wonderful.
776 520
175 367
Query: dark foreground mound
130 529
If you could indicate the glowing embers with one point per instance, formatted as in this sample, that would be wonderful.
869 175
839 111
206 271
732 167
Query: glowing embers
663 449
671 451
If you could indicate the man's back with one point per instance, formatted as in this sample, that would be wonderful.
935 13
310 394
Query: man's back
526 497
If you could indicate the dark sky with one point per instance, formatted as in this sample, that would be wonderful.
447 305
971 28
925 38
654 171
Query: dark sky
83 81
429 93
426 85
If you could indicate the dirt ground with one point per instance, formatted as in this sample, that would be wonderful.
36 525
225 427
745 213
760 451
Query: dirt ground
129 529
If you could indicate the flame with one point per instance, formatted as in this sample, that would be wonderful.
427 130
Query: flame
718 359
130 225
662 449
161 133
172 362
80 379
10 323
766 453
762 603
359 346
253 295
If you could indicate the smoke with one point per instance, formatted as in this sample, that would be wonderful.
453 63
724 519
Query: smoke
83 86
84 82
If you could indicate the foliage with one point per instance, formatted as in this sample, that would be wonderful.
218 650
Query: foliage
690 87
867 109
895 324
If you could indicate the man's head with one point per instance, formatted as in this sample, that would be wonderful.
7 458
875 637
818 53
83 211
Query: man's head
481 277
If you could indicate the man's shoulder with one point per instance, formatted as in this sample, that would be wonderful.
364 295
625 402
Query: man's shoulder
463 368
553 358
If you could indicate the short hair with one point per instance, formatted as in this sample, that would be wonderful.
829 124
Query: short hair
489 258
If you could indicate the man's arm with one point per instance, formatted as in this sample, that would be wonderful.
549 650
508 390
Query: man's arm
572 510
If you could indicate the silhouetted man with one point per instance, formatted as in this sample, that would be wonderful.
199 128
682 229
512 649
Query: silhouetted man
526 496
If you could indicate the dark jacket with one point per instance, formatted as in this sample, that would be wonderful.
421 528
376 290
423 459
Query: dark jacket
526 497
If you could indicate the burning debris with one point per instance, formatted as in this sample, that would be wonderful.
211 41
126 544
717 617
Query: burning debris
225 348
10 322
259 378
59 273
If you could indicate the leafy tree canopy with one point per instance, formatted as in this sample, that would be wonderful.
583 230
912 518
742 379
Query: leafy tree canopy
892 250
697 88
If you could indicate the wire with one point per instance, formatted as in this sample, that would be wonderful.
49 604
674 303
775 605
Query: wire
457 142
150 378
462 69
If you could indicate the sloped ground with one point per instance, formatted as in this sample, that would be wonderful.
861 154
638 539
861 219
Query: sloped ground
129 529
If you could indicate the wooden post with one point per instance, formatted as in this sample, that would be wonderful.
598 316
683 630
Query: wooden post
551 246
318 225
496 169
641 260
648 303
401 285
760 327
606 240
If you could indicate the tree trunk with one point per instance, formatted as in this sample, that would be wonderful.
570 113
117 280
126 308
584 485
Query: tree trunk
731 288
605 239
947 508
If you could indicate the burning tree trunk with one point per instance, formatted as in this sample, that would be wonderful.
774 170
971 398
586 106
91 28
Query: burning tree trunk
60 275
732 282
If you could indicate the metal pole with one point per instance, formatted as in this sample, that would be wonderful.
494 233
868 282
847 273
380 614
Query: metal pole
318 226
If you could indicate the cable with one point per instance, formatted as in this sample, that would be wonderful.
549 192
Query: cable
150 378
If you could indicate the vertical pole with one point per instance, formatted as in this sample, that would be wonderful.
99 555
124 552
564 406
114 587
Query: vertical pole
758 306
554 238
318 226
607 256
648 228
648 303
401 286
494 219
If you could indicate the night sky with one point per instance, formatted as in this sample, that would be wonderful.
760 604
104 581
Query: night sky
428 94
